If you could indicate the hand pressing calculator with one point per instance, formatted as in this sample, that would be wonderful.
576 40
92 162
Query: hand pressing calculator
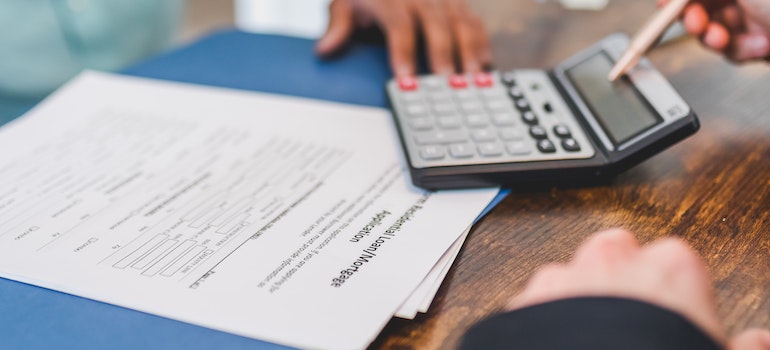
569 125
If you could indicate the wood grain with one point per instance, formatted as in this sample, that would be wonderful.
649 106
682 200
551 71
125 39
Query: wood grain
712 190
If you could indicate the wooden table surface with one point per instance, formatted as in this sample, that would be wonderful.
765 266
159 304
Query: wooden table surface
712 189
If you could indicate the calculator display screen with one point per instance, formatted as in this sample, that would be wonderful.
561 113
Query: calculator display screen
620 109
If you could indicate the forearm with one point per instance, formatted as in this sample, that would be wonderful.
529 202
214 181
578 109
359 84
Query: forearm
588 323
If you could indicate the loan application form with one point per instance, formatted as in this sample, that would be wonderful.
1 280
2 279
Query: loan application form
283 219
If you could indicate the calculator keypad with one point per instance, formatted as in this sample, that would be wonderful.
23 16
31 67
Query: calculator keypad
516 116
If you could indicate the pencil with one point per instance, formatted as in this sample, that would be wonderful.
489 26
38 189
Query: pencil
646 36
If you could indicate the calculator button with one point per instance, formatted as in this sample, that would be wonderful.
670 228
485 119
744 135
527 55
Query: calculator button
421 123
416 109
561 131
476 120
546 146
441 96
518 148
480 135
471 106
451 122
508 78
515 92
504 119
444 136
411 97
407 83
444 108
483 80
461 150
432 152
434 83
570 145
458 82
490 149
465 95
510 134
529 117
538 132
522 104
492 94
498 105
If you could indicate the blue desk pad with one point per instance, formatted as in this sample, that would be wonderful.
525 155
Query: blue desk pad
38 318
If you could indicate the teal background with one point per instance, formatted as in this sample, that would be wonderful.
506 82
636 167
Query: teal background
43 43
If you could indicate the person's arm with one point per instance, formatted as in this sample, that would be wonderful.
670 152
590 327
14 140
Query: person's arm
612 294
738 29
590 323
451 30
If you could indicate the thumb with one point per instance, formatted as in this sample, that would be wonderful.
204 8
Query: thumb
340 27
750 46
752 339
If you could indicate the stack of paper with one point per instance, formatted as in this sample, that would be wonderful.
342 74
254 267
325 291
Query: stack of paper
277 218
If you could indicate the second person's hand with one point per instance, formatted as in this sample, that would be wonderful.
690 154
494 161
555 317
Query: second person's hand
666 273
450 28
739 29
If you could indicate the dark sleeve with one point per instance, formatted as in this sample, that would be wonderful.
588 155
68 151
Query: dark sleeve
588 323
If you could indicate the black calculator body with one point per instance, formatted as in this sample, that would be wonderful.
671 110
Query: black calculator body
566 126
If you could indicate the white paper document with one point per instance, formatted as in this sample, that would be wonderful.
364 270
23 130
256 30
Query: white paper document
423 295
283 219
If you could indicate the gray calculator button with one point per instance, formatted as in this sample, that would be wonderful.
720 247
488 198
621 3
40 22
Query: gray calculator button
570 144
434 82
491 94
465 94
562 131
546 146
471 106
529 117
480 135
450 122
444 108
515 92
461 150
410 97
538 132
444 136
490 149
508 78
510 134
432 152
522 104
504 118
519 148
416 109
422 123
498 105
476 120
441 96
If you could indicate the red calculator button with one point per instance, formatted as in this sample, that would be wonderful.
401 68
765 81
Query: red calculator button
458 82
408 83
483 80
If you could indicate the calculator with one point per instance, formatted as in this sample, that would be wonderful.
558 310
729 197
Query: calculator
568 125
